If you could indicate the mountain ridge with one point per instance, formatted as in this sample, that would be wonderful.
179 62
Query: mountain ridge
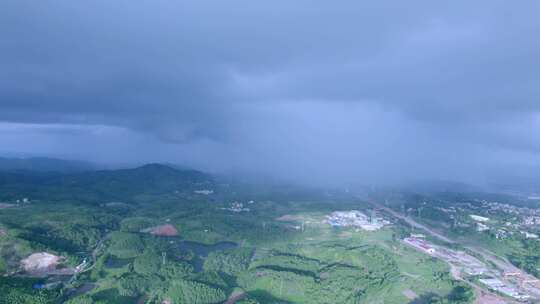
102 185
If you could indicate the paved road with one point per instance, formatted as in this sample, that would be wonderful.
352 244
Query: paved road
505 265
96 250
501 262
411 222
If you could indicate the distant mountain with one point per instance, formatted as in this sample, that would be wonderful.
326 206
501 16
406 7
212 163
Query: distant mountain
154 178
524 186
104 185
44 164
436 186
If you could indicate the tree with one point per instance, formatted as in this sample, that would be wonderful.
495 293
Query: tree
84 299
147 263
248 301
132 285
190 292
461 294
231 261
175 270
125 245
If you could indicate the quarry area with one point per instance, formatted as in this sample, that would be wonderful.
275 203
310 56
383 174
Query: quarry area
42 264
41 261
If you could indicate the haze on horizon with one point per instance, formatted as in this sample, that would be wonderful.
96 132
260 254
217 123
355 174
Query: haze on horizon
304 90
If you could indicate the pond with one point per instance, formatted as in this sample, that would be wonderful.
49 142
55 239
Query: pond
113 262
84 288
197 252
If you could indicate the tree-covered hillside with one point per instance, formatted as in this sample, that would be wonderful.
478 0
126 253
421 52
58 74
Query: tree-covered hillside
102 185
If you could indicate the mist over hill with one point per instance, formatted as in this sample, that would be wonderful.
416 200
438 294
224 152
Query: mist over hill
45 164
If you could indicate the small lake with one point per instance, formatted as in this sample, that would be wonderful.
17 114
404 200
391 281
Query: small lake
201 251
72 293
113 262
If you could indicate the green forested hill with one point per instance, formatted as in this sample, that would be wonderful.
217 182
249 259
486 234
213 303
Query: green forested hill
100 185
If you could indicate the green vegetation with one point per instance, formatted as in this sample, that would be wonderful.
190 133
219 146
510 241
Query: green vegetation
528 258
125 245
231 261
98 217
147 263
20 291
183 291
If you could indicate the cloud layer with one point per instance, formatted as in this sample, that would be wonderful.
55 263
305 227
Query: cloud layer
308 90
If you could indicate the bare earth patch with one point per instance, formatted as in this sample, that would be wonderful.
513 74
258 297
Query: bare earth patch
288 218
116 204
235 297
411 295
489 299
40 262
6 205
163 230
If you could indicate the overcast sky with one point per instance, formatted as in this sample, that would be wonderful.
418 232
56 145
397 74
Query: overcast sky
308 90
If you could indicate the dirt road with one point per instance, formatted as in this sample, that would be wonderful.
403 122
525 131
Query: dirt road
235 297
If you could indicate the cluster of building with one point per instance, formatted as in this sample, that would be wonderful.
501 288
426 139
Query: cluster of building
355 218
479 218
480 222
524 220
530 216
532 220
501 287
502 233
23 201
529 235
480 227
237 207
115 205
204 192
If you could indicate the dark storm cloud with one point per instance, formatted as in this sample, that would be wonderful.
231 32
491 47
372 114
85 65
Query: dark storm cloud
416 87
